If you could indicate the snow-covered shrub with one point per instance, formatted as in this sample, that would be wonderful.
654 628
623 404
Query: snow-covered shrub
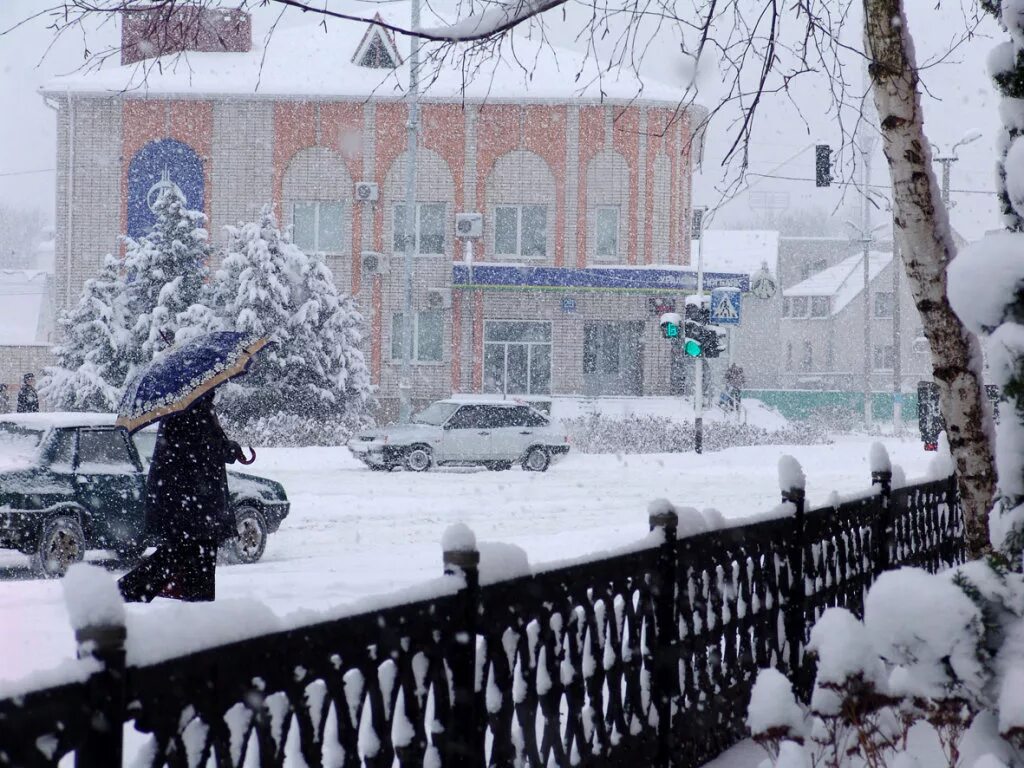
596 433
90 364
774 716
312 383
938 652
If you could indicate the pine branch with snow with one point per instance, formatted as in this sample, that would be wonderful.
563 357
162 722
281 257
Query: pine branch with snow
90 359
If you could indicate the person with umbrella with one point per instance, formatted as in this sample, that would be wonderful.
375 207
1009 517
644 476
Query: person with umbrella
186 489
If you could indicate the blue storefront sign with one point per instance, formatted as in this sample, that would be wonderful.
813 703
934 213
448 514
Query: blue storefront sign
157 165
560 278
568 304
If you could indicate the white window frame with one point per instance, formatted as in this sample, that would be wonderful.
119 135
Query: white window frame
396 338
879 352
529 355
598 211
519 230
419 227
316 225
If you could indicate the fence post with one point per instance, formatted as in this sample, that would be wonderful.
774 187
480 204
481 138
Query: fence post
795 623
102 743
883 528
465 738
665 677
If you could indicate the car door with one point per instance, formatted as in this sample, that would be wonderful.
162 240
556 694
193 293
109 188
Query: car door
110 484
521 427
467 436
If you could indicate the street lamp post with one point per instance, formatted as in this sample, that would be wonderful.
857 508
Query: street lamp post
412 127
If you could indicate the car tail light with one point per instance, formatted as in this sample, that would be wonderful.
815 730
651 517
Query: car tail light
931 446
567 440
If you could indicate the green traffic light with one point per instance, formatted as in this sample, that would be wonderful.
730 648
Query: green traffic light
691 347
671 330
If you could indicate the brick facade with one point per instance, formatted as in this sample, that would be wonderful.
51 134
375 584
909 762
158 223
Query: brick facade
570 157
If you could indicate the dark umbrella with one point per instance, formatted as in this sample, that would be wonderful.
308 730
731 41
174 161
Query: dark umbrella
181 375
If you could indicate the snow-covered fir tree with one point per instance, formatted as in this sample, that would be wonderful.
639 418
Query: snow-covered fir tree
166 271
90 360
314 369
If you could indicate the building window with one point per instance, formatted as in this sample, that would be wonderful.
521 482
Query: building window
521 231
883 304
427 336
316 226
808 359
813 267
787 309
885 358
517 358
820 306
429 229
799 306
606 232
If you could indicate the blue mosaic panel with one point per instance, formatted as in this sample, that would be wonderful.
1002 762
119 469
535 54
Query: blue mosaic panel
155 166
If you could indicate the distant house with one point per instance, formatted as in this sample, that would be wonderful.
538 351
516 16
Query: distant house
822 328
26 323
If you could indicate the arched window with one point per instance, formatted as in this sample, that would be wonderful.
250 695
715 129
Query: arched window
608 187
157 165
315 193
521 206
435 205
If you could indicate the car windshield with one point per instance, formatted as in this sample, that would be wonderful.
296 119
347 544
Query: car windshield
435 414
19 446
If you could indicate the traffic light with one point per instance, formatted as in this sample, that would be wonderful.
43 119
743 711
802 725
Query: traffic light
822 165
693 345
670 322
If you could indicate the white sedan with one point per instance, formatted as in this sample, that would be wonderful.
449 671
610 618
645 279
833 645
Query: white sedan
463 433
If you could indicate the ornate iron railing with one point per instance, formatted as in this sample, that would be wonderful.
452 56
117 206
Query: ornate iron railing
643 658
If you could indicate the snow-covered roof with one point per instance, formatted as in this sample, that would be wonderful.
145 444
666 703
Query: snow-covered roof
59 419
26 314
738 250
843 282
305 60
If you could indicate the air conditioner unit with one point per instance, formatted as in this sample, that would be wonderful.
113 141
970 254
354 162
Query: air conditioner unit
374 263
367 191
469 225
440 298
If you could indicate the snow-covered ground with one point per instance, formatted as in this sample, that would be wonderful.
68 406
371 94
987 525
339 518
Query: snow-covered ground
354 534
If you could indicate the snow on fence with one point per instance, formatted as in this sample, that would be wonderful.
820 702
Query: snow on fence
644 658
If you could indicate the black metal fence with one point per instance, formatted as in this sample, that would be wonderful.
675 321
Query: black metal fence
645 658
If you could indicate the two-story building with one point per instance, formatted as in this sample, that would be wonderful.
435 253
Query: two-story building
580 176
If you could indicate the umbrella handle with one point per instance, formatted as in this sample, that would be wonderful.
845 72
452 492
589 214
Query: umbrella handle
250 460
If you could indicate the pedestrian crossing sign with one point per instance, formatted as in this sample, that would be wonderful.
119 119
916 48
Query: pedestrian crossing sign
725 306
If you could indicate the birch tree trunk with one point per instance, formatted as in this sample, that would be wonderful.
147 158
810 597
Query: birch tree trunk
926 243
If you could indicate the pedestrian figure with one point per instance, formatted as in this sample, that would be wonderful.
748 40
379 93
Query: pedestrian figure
734 382
186 507
28 398
5 400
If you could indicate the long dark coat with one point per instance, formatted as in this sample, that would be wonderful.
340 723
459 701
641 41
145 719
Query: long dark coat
187 486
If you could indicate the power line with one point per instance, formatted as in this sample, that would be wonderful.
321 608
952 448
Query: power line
26 173
870 186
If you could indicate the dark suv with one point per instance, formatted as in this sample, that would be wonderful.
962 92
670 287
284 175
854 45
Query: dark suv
70 482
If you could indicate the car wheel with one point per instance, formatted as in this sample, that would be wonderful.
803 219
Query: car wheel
498 466
248 546
536 459
418 459
61 544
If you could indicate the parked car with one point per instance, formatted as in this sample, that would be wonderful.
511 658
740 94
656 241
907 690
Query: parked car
464 433
70 482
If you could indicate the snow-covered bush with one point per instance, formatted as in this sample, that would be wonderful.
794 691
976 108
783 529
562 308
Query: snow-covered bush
596 433
90 359
935 654
134 308
311 386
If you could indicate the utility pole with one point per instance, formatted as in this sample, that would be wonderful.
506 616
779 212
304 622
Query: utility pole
698 363
897 338
412 127
866 145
